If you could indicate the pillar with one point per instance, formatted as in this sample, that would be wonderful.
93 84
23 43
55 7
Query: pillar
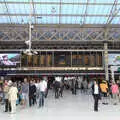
106 61
71 58
53 63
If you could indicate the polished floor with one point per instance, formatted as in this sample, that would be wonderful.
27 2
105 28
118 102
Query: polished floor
70 107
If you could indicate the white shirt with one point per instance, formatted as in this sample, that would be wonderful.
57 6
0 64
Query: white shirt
42 86
37 85
96 91
58 79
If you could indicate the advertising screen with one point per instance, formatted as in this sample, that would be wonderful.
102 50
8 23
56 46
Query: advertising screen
9 59
114 59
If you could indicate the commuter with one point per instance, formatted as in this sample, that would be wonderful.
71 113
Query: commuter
37 90
32 93
109 89
13 97
85 86
61 88
76 86
20 98
6 90
42 89
73 86
118 83
57 87
1 93
48 86
82 87
25 92
115 93
96 95
104 92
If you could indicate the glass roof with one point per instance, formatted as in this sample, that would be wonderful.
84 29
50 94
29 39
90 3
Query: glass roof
60 11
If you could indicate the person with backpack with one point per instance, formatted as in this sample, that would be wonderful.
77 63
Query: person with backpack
104 92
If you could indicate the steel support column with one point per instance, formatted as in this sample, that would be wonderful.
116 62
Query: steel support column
71 57
106 61
53 59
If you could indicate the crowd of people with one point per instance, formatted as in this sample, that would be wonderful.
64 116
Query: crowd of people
102 90
33 92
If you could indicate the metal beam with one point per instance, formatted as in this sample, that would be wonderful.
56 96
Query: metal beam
34 11
57 50
63 50
58 41
52 74
57 3
74 26
113 12
85 15
7 10
57 15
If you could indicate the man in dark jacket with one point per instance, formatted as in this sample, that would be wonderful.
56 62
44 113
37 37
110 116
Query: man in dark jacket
32 94
57 87
96 94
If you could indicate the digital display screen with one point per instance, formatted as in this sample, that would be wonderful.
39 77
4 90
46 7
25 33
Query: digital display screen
9 59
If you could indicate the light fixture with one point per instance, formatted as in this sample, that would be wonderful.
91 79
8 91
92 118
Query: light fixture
26 51
35 52
29 53
27 42
29 50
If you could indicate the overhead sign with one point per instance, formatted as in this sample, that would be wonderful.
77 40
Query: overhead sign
114 59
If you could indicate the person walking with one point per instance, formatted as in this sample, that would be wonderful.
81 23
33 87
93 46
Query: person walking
32 93
42 89
56 88
61 88
6 90
13 97
104 91
25 92
76 86
96 95
115 93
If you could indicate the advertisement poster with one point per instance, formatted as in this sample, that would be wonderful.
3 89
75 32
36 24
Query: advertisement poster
114 59
9 59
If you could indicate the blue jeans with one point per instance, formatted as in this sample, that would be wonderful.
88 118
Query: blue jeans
41 99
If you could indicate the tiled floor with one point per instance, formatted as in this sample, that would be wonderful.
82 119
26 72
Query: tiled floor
70 107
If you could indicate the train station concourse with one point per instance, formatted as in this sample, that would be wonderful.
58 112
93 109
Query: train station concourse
59 59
